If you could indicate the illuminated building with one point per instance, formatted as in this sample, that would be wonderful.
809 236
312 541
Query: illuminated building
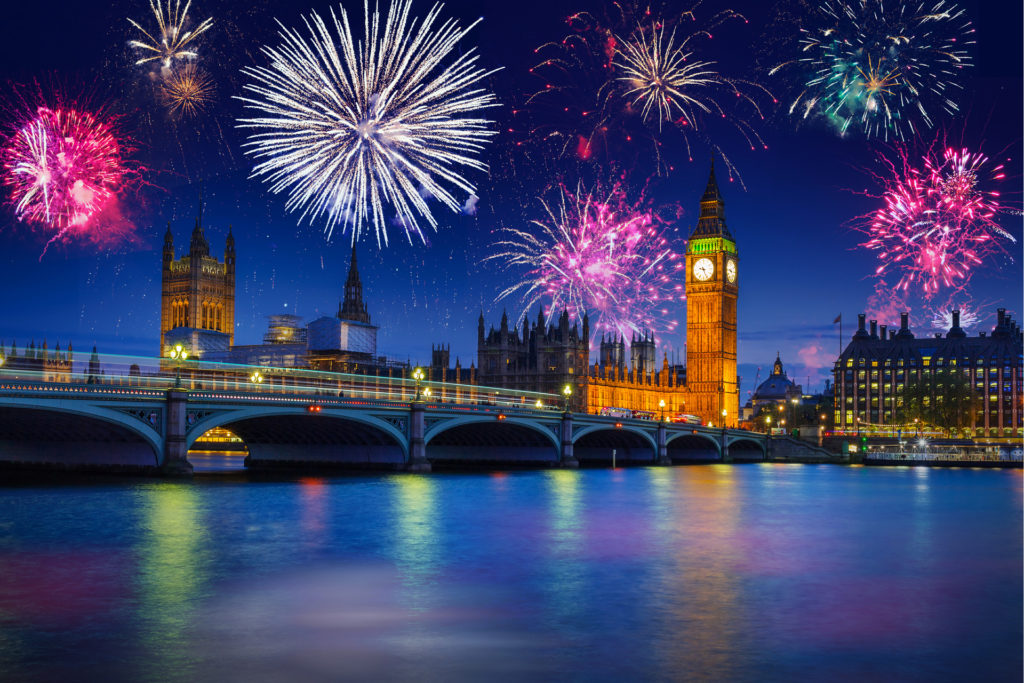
711 291
44 363
197 295
545 358
970 385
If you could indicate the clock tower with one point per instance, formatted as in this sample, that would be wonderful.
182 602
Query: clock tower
712 286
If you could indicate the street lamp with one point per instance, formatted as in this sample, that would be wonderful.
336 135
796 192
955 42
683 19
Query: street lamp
768 423
661 404
256 378
539 404
417 375
178 354
567 392
426 392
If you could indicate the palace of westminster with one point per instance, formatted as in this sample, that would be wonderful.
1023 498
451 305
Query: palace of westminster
547 353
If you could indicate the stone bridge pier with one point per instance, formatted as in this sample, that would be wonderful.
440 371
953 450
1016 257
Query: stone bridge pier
175 441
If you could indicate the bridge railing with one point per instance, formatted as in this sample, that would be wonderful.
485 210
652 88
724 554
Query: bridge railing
255 380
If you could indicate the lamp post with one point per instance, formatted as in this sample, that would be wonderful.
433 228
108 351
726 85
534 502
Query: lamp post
661 404
426 393
256 378
417 375
768 423
178 354
567 392
539 404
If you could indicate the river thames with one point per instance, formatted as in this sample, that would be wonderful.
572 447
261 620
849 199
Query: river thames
719 572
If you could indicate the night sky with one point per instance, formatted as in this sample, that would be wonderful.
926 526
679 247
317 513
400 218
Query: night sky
800 264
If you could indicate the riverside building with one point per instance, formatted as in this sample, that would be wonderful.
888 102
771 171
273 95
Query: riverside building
970 385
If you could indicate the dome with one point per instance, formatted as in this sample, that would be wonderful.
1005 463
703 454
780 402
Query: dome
778 387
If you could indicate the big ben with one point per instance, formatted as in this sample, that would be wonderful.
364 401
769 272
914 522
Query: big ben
712 286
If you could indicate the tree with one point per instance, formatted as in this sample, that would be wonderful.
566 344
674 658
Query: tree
944 400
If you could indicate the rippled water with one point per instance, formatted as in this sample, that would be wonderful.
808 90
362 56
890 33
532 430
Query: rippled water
757 572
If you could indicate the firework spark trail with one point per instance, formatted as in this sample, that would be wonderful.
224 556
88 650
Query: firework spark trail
612 83
187 90
938 220
63 168
603 257
346 127
171 41
942 318
659 74
880 66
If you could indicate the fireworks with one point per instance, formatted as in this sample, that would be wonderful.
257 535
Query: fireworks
937 222
942 319
612 84
880 66
603 257
658 75
172 41
382 121
187 90
64 168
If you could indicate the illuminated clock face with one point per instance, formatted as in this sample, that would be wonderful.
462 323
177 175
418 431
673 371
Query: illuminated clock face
730 270
703 269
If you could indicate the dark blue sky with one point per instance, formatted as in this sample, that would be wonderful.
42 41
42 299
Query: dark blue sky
800 264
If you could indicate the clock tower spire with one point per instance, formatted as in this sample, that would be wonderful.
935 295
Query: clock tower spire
711 293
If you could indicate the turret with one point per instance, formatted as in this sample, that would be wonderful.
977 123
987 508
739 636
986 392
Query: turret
480 327
229 252
168 246
199 246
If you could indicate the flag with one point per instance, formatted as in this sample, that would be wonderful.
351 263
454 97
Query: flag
839 319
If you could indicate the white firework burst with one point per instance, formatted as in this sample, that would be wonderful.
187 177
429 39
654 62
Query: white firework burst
172 40
346 127
658 75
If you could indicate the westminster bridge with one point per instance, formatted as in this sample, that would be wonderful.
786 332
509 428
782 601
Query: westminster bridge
115 416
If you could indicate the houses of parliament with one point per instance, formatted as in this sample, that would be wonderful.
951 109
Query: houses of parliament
546 354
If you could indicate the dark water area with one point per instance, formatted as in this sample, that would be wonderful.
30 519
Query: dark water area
756 572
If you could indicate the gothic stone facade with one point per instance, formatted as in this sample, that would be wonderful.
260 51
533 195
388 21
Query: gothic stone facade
546 358
197 291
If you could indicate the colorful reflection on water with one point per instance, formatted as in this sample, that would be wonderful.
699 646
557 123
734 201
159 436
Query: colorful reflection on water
775 572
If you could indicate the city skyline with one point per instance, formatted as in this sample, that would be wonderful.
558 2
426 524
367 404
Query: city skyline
799 256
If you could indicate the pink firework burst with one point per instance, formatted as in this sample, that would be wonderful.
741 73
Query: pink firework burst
605 257
65 169
937 221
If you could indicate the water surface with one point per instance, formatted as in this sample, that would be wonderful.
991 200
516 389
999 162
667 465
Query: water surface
756 572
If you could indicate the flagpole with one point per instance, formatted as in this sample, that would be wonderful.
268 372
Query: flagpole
840 335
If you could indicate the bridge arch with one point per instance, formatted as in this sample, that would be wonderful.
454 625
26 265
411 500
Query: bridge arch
86 435
509 441
693 446
743 448
595 443
291 435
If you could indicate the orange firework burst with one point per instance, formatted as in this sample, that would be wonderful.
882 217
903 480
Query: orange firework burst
188 90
